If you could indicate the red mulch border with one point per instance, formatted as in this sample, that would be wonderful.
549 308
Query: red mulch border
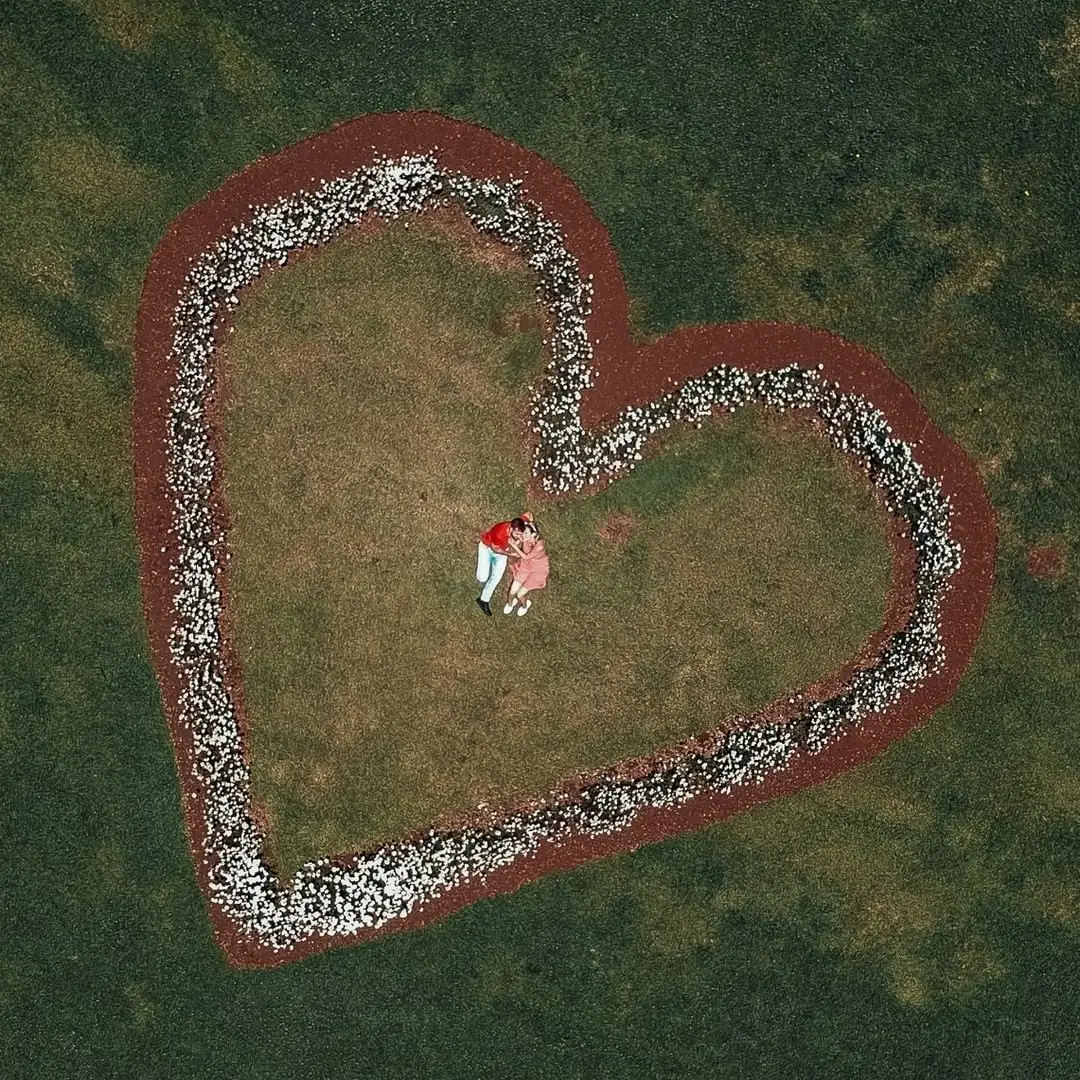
627 373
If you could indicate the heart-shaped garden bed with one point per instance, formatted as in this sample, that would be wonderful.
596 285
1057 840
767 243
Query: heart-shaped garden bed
601 399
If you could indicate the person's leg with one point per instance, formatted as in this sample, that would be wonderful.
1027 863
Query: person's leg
512 598
524 604
498 565
483 562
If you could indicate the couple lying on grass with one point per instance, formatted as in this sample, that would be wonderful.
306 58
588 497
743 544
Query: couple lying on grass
518 539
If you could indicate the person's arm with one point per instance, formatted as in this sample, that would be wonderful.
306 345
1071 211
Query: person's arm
515 549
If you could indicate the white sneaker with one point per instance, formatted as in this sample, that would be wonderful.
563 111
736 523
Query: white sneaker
508 608
524 607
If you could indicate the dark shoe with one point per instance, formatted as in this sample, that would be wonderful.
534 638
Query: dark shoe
485 607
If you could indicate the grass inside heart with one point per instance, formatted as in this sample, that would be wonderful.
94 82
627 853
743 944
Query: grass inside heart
373 419
742 560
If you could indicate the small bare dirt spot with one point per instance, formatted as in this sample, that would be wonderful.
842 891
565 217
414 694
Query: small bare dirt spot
1047 562
617 528
520 322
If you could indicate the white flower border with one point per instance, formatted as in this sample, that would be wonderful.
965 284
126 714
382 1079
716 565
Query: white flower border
325 899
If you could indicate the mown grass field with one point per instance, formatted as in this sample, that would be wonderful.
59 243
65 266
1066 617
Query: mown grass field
902 174
373 413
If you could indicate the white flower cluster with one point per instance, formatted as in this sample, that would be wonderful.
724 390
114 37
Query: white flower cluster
327 899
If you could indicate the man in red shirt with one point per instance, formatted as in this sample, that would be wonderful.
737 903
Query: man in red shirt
500 541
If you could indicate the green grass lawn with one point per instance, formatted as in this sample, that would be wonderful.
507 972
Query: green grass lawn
372 430
902 174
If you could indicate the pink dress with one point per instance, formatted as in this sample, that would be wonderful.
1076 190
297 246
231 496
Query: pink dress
531 572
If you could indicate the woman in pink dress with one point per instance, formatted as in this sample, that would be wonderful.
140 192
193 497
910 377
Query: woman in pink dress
530 569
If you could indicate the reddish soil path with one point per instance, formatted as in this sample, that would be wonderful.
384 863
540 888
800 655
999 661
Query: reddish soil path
626 373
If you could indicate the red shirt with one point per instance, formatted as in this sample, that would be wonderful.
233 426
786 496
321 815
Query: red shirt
498 538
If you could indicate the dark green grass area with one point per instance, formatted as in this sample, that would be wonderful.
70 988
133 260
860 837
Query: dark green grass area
903 174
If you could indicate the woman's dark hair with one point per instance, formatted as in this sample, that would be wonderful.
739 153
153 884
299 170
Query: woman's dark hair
517 523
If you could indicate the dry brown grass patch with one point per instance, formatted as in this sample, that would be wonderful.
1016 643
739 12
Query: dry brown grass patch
1047 562
617 527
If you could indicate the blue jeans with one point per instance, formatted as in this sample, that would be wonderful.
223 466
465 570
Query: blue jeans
489 570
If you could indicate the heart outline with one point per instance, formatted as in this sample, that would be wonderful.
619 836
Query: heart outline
627 375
